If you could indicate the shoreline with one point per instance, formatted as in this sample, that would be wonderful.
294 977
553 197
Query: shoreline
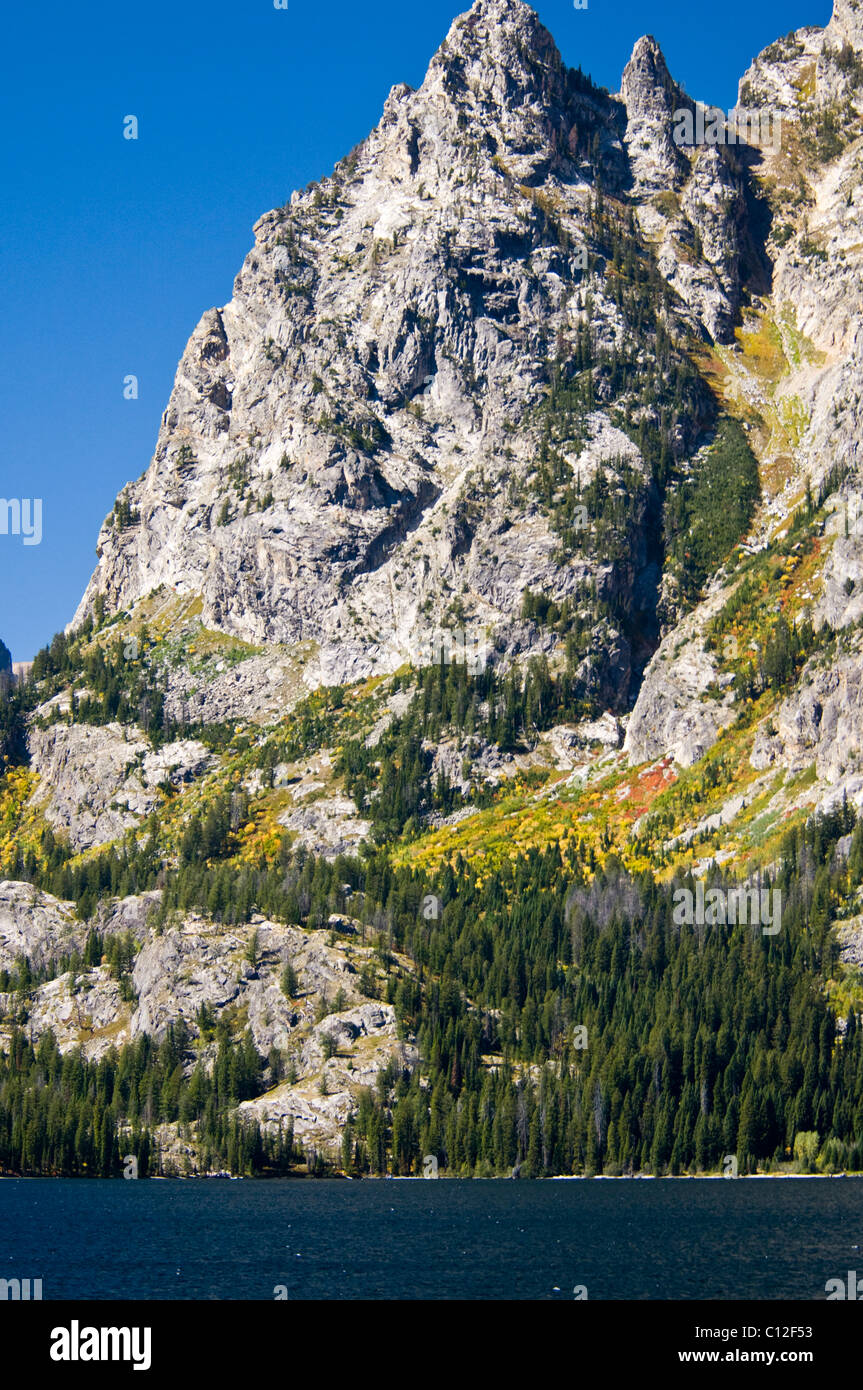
417 1177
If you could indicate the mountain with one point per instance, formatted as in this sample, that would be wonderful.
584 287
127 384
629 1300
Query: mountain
349 455
497 577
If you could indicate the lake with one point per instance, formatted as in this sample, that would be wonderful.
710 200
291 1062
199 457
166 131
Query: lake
684 1239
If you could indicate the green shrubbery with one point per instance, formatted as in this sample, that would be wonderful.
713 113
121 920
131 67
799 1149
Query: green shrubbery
708 515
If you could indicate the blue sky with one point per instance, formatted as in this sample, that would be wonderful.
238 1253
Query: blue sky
112 249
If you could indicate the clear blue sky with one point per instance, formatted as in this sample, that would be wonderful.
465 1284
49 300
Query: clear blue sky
112 249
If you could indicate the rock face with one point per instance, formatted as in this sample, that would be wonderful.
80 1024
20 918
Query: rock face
672 716
364 1039
348 457
816 245
351 443
651 97
691 198
201 963
35 925
332 1038
846 24
821 723
96 782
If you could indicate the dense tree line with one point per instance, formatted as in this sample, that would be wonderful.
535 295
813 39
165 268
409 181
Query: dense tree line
63 1116
696 1042
392 782
119 684
710 513
13 725
781 659
565 1023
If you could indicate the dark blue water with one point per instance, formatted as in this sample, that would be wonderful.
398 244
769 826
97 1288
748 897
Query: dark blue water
432 1240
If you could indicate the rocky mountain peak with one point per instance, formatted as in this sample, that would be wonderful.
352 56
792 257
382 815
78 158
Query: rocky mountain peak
650 95
496 25
499 75
647 85
383 330
496 87
499 37
386 352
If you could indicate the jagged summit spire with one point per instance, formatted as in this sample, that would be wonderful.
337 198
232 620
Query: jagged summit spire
498 31
501 9
497 73
500 12
499 46
647 46
646 78
651 96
